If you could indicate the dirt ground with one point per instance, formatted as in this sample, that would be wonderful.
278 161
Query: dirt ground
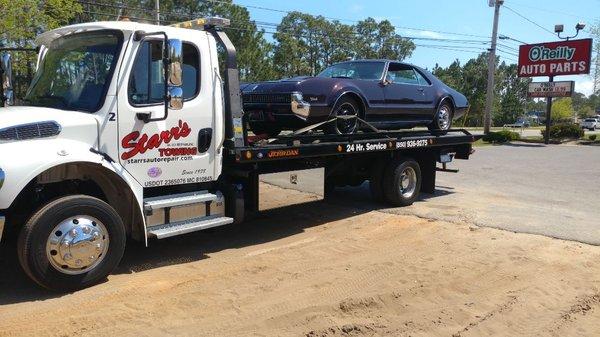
322 269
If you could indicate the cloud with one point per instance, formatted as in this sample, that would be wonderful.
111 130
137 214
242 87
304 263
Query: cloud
584 85
430 34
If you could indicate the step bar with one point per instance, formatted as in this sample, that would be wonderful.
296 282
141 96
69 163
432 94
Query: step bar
151 204
188 226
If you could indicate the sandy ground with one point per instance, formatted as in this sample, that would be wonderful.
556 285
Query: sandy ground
322 269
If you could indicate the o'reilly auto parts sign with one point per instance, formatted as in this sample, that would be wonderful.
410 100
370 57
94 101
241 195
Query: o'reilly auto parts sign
555 58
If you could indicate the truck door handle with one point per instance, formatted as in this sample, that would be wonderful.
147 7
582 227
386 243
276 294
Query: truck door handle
204 139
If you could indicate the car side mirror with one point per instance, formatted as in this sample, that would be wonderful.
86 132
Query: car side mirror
385 82
6 91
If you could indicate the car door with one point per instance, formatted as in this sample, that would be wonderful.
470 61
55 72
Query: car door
177 150
408 95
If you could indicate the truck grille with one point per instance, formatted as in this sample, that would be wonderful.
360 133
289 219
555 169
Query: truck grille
267 98
30 131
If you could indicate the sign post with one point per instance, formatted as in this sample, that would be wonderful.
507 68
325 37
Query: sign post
548 116
551 59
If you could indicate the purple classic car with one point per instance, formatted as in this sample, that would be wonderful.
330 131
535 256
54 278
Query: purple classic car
387 94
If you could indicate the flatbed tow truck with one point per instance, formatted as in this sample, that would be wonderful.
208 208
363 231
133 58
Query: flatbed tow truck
155 145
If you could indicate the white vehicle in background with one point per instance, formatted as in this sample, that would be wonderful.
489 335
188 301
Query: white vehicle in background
590 124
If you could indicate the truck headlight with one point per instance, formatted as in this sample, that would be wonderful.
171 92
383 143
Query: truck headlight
299 107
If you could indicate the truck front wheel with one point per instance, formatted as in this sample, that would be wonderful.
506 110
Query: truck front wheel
402 182
71 243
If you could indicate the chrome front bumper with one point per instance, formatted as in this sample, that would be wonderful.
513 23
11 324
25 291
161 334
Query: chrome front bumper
2 221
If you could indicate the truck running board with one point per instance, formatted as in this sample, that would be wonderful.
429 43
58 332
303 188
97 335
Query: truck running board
188 226
176 214
155 203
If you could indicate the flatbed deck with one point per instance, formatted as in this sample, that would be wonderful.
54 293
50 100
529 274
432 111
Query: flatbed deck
307 146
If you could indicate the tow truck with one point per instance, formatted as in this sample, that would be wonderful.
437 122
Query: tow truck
132 130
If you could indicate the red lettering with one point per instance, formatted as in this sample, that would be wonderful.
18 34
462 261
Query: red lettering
145 142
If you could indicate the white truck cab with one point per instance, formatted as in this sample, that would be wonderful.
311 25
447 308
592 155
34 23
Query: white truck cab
132 130
117 113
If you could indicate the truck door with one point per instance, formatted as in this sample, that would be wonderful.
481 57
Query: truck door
177 150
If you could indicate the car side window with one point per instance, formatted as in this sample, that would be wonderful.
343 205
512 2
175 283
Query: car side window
146 83
421 78
402 74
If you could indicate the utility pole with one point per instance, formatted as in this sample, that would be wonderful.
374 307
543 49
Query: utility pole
157 11
489 100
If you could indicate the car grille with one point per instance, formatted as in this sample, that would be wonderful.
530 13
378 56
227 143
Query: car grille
267 98
30 131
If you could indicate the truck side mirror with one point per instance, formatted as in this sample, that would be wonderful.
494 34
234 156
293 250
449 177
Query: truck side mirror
175 98
175 80
7 97
175 55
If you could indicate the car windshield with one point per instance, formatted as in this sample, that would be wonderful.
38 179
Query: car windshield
355 70
590 120
75 72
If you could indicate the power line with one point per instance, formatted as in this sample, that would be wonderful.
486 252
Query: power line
531 21
261 24
554 12
343 20
462 48
273 10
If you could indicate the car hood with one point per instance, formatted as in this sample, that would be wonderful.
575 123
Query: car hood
73 125
305 84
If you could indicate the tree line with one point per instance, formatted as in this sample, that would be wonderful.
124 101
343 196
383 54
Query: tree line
301 44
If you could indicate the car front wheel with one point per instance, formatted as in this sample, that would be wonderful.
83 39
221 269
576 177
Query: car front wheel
442 120
346 111
72 243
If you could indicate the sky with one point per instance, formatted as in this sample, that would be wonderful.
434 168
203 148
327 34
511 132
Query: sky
440 19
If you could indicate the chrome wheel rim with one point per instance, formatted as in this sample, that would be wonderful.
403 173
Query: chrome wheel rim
443 117
348 122
77 245
408 182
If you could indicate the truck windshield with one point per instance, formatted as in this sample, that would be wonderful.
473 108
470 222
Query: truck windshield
75 72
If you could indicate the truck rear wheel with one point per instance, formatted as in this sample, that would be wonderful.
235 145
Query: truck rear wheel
72 243
402 182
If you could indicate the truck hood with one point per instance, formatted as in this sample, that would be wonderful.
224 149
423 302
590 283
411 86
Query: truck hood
73 125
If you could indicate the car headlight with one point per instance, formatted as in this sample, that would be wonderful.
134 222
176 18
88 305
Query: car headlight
297 97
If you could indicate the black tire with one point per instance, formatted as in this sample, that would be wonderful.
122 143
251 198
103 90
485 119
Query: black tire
445 108
376 180
265 129
392 182
32 250
348 106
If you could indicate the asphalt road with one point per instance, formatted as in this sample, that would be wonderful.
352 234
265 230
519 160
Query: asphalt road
549 190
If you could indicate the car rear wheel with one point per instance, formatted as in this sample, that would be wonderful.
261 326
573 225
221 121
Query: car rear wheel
346 110
443 118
